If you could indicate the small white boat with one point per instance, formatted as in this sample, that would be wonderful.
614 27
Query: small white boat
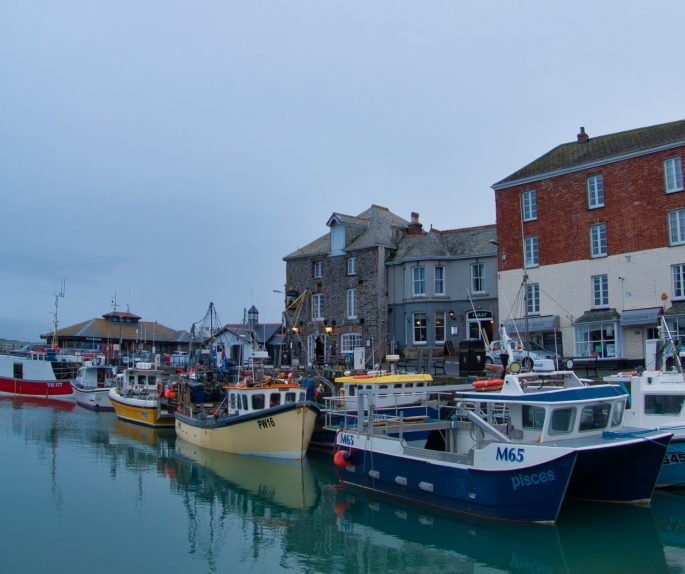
45 374
92 385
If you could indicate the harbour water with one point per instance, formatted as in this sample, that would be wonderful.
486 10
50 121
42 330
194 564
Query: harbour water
82 491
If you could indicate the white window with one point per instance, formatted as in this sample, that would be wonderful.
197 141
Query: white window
600 291
596 340
678 281
348 341
420 323
317 306
531 252
337 239
440 327
478 278
529 205
595 191
352 266
533 298
317 270
673 174
418 281
351 303
439 280
676 226
598 240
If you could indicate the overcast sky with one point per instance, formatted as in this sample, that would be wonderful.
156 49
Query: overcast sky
172 153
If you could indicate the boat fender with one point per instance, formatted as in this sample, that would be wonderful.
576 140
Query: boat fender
160 390
488 384
341 458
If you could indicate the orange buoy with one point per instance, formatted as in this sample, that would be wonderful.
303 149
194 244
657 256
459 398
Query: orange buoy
341 458
488 384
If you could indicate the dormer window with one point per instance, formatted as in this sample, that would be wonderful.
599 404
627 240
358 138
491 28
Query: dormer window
337 238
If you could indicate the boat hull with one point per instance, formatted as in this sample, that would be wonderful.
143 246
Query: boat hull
141 411
279 432
93 399
529 492
52 389
672 471
622 473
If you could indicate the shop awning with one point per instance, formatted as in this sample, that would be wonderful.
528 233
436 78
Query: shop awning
535 324
598 316
647 316
677 308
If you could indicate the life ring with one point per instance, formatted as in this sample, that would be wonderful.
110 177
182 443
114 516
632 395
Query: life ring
488 384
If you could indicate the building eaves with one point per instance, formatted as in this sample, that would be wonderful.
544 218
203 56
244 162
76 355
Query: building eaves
575 156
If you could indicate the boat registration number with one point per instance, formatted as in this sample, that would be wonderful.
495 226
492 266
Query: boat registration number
675 458
266 423
346 439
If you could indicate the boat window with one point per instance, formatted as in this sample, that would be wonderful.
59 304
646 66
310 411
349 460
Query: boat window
18 370
233 402
663 404
398 385
257 402
382 386
142 380
562 420
302 397
533 417
290 398
419 385
244 402
410 385
368 387
352 390
617 415
594 417
131 380
275 399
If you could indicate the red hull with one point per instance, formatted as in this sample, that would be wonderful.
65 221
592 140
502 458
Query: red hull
44 389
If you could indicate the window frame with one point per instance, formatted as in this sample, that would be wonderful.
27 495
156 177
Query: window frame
439 279
351 303
352 265
318 301
529 205
531 251
419 327
418 284
533 298
317 270
598 240
676 226
678 281
478 278
673 170
440 328
600 291
348 340
595 191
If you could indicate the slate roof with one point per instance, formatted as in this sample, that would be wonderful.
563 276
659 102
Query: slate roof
265 331
375 227
447 244
99 328
602 149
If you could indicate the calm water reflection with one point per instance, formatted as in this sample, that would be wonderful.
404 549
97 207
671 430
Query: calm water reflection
92 493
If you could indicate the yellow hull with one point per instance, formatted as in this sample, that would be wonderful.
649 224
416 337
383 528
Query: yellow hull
278 433
139 411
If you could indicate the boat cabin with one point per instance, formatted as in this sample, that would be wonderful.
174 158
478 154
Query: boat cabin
388 389
245 400
143 379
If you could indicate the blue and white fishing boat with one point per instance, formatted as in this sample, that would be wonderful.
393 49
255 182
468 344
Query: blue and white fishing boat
615 463
657 399
455 468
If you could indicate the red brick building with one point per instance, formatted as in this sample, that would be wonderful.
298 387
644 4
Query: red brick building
597 229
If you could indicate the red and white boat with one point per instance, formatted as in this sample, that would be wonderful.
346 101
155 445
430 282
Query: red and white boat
38 374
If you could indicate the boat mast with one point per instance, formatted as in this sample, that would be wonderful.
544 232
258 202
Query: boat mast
55 321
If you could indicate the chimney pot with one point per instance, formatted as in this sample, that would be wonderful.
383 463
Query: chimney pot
582 136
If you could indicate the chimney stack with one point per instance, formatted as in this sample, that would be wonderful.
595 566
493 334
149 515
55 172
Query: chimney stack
582 136
415 227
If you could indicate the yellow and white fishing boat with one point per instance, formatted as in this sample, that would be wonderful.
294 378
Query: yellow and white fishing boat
272 419
139 397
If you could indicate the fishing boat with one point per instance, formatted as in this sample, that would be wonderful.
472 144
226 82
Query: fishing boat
657 397
272 418
394 394
44 373
616 462
139 397
495 478
92 385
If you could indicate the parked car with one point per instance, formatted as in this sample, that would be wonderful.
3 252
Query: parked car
517 352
